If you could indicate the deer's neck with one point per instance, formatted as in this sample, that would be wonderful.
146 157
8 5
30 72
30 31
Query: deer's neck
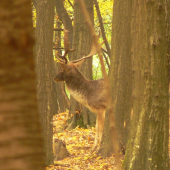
78 88
76 83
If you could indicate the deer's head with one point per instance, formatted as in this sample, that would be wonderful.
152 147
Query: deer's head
69 69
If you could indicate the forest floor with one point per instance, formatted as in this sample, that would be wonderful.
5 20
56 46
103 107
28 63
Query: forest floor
78 143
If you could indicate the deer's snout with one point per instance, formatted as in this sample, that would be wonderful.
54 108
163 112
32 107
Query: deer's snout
55 79
58 77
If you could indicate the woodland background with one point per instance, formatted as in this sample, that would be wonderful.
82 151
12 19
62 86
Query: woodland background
136 53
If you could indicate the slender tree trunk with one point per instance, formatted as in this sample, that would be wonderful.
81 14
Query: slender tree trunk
21 141
148 144
64 17
44 67
62 99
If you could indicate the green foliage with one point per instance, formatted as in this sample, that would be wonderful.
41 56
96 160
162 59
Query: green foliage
69 8
106 10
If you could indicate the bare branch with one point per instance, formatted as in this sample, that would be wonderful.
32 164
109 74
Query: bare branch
104 51
58 29
71 4
107 62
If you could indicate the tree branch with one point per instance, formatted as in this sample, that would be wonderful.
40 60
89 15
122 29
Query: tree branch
107 62
71 4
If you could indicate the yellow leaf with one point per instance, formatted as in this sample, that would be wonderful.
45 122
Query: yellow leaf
99 157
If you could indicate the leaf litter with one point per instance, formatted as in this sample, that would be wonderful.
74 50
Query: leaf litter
79 142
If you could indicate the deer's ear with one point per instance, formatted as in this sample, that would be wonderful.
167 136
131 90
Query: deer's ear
79 63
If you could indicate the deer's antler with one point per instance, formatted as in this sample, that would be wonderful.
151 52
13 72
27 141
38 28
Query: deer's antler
67 50
92 52
66 47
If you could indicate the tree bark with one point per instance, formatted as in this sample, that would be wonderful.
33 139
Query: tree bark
44 68
120 77
121 69
21 140
67 22
64 17
148 144
167 12
62 98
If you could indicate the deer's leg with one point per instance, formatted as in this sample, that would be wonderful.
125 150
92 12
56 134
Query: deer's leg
96 135
101 118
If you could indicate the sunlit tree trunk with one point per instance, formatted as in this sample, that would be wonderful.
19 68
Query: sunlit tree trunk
44 68
148 144
21 141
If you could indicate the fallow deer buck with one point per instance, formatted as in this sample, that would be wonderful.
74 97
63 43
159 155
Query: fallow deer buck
90 93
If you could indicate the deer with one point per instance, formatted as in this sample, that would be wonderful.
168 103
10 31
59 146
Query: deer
90 93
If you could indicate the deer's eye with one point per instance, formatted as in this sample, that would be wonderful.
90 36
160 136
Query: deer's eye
61 70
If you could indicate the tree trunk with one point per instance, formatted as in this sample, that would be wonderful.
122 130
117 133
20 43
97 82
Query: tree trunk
148 144
121 69
64 17
62 99
21 141
167 12
82 41
44 67
120 77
